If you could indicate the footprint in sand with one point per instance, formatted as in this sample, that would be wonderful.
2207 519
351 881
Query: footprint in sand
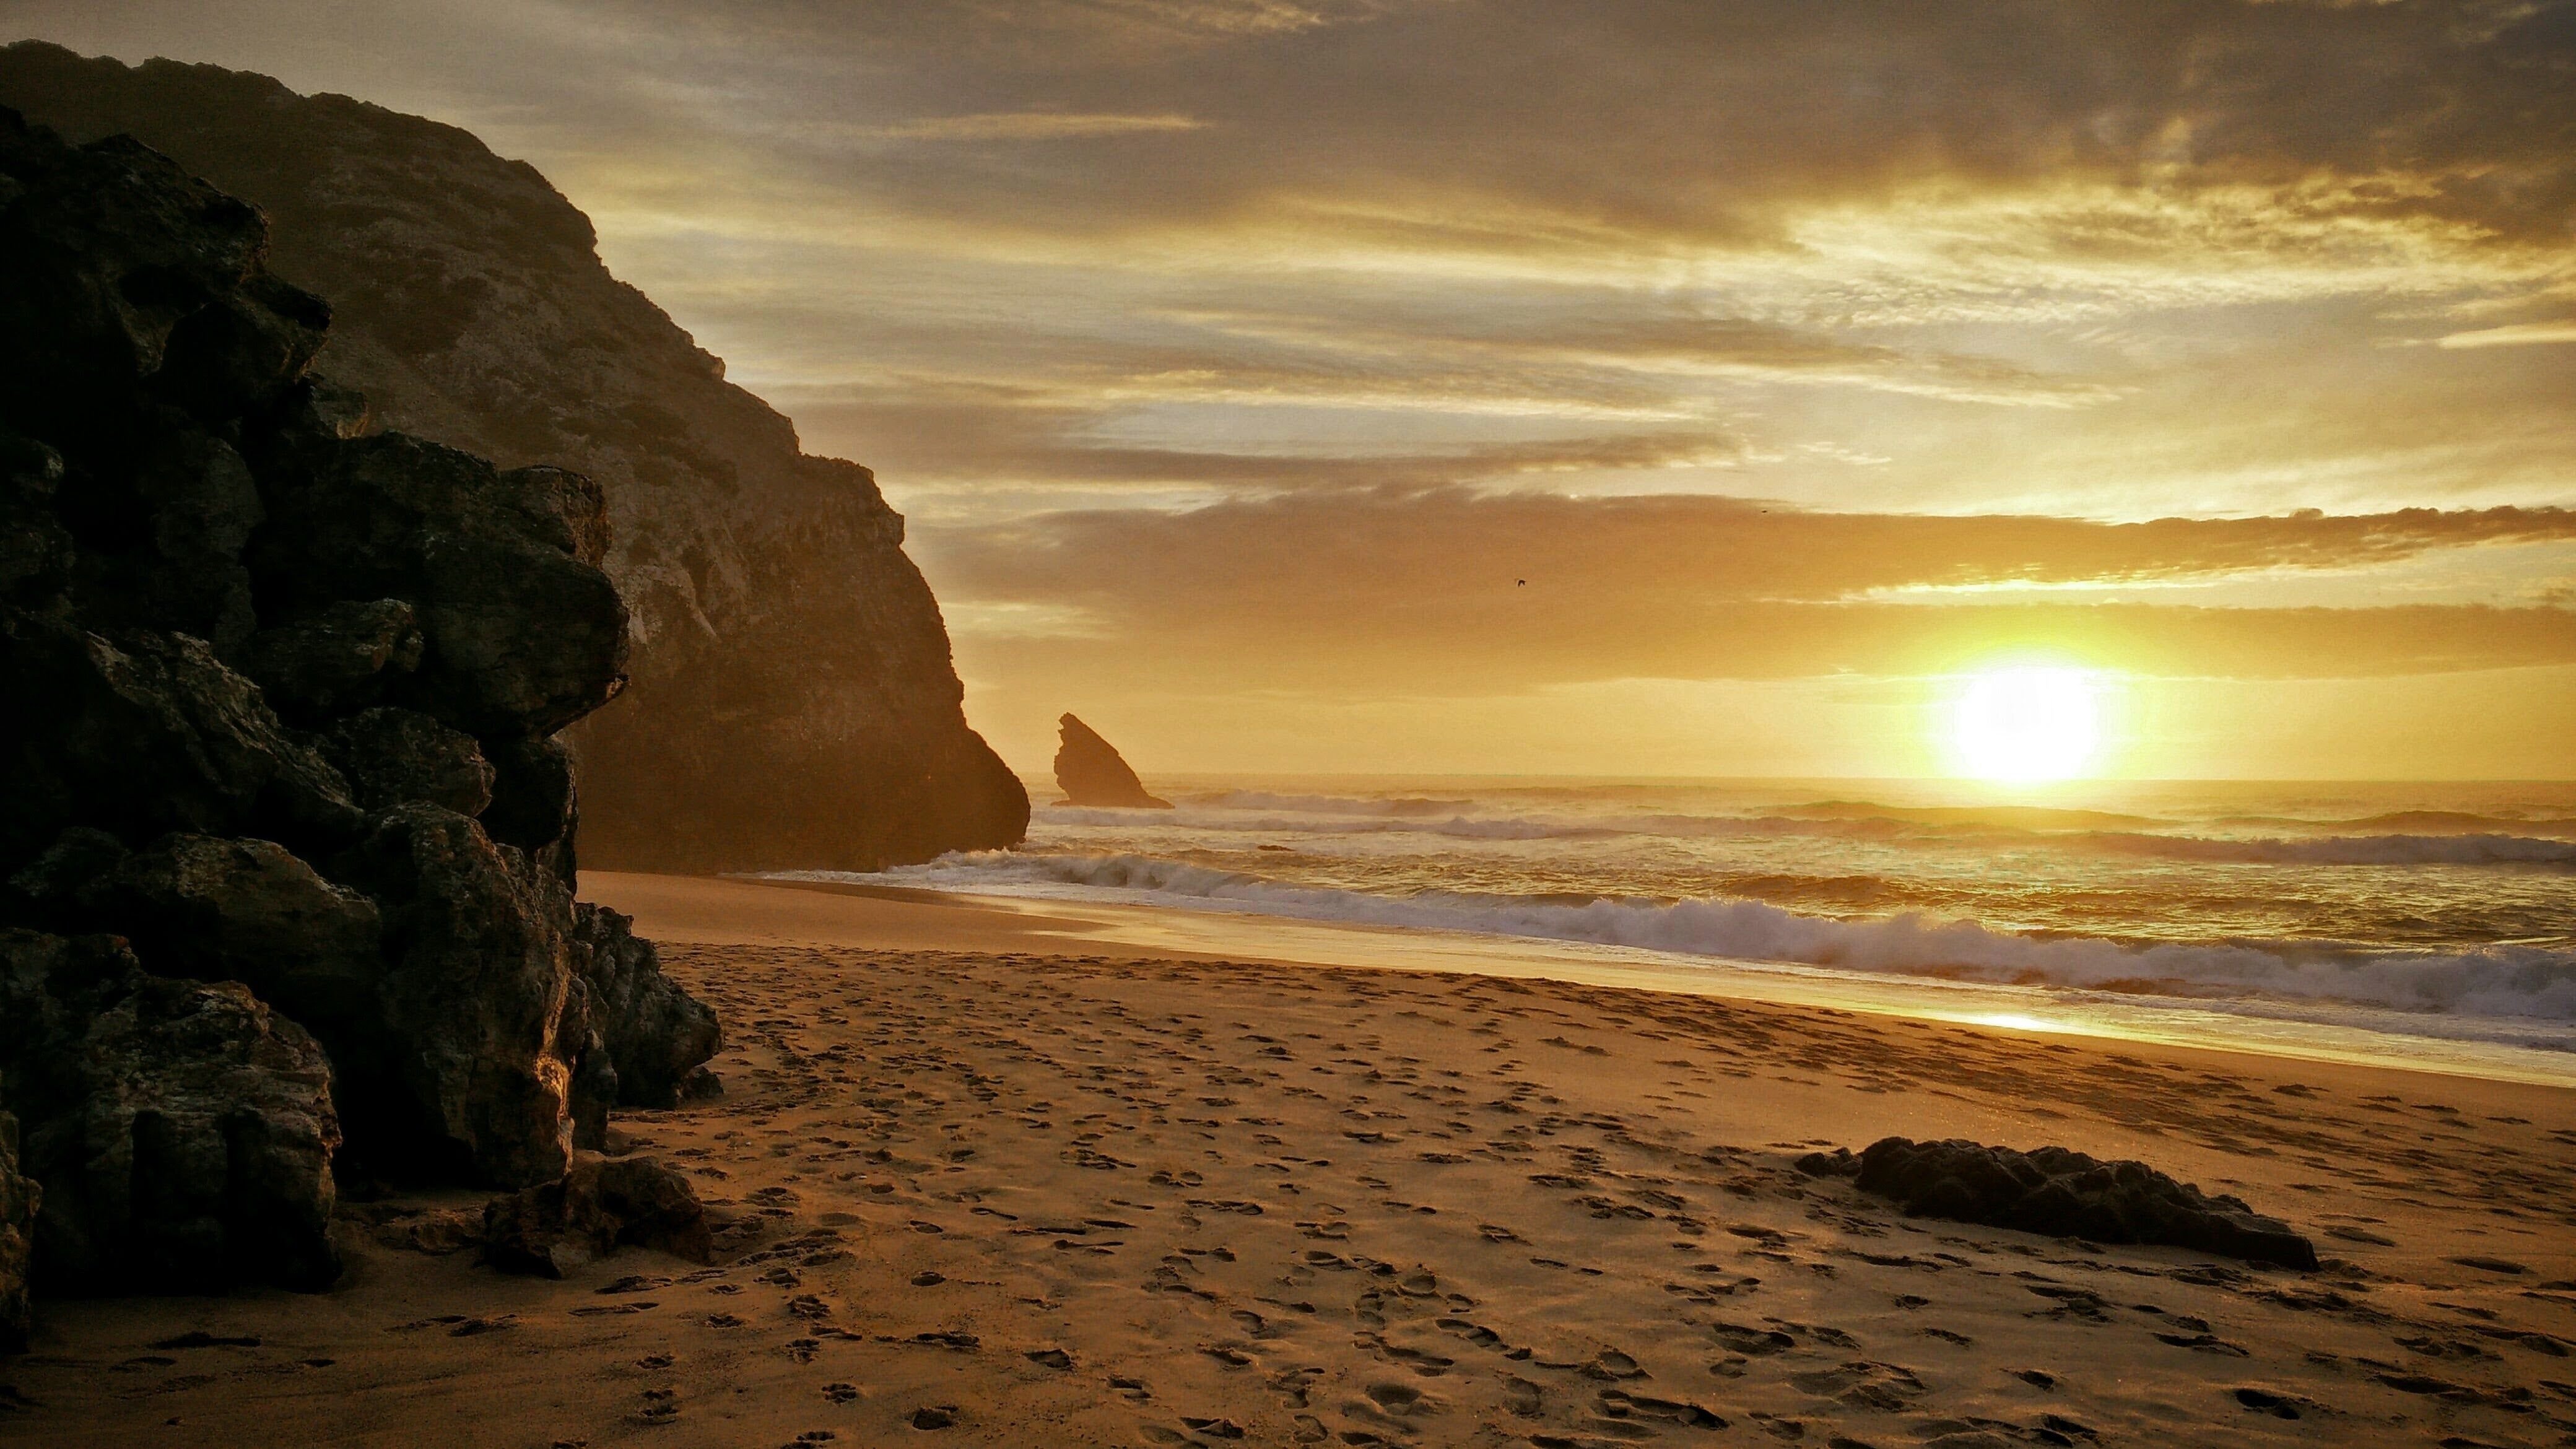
1885 1388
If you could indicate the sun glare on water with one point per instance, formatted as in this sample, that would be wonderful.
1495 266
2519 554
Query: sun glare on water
2027 724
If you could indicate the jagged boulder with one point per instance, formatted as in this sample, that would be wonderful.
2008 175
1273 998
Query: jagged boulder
2060 1193
473 1082
198 507
656 1036
147 733
523 634
20 1198
338 657
37 553
214 909
393 756
1089 770
183 1132
601 1205
150 284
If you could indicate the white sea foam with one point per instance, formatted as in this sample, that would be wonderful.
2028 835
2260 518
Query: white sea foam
1231 822
1259 814
2505 980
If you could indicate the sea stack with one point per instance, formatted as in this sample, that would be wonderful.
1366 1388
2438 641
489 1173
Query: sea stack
1090 771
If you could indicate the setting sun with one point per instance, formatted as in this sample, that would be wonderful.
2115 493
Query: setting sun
2026 724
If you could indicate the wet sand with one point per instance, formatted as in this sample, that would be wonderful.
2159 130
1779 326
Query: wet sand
994 1175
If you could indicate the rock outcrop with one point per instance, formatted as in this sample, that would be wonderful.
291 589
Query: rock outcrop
20 1198
793 702
653 1035
603 1204
229 934
1090 771
2060 1193
182 1132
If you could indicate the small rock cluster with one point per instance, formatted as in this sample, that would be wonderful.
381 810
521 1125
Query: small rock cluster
2060 1193
286 837
595 1209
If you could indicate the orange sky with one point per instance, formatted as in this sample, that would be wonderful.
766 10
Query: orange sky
1236 359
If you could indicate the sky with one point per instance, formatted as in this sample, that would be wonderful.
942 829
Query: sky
1617 388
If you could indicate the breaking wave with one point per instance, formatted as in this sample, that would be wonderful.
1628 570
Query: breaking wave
2501 980
2348 849
1248 813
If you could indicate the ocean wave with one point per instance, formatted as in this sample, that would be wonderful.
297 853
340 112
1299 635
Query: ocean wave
1237 817
1461 827
1400 806
2416 822
2345 849
2492 981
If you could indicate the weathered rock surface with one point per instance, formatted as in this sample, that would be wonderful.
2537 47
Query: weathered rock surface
392 756
182 1131
2063 1194
793 702
601 1205
144 733
214 909
20 1198
310 905
1090 771
469 1081
656 1035
339 657
479 554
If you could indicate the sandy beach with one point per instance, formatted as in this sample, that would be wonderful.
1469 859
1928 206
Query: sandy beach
989 1175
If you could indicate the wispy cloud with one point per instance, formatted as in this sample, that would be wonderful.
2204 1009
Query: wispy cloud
1492 591
2519 334
1026 126
1223 340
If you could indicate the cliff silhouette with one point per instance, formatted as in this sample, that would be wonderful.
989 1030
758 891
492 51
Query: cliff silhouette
793 701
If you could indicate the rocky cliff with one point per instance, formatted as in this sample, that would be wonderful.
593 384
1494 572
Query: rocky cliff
285 841
792 699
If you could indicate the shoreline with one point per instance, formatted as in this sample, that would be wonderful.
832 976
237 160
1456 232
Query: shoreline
982 1176
892 916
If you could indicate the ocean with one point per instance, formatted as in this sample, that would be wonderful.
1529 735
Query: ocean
2385 917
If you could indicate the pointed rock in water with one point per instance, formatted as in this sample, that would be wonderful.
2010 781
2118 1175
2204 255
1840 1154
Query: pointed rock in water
1090 771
